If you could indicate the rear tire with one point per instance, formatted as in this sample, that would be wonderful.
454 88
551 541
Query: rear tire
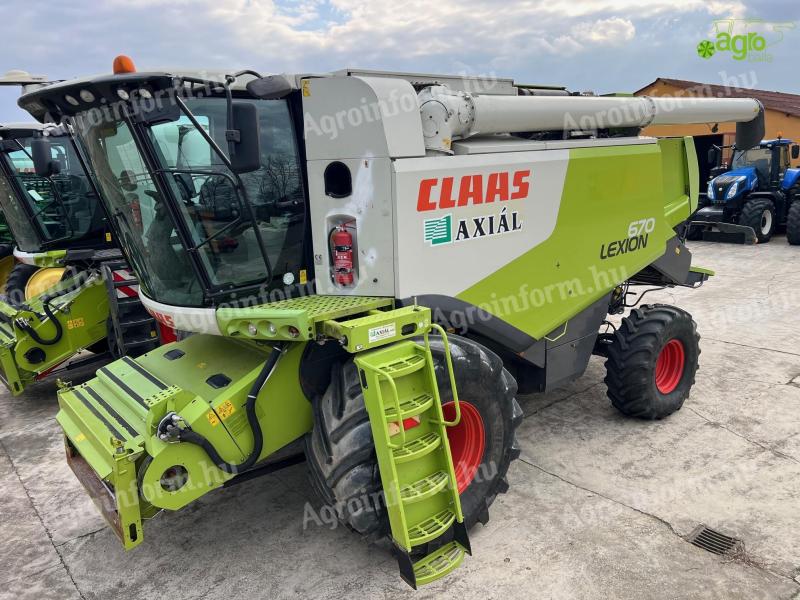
652 361
793 223
759 213
340 453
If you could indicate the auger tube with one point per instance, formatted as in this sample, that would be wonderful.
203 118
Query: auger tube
448 115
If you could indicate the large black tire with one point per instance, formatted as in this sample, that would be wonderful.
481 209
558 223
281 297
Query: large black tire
793 221
340 452
15 284
759 213
635 386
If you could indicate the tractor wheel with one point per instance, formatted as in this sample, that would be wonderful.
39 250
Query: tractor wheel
759 213
17 280
793 223
340 453
652 361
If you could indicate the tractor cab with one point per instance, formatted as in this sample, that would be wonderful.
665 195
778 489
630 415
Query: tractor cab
52 208
755 169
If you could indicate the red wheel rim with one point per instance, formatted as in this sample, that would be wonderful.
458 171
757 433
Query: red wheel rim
467 442
669 366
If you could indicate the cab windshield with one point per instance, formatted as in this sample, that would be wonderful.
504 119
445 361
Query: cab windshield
760 158
186 226
45 212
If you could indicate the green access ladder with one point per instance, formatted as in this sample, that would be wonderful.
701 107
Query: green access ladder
416 467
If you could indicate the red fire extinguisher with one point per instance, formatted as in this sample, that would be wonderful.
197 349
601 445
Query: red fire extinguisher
342 251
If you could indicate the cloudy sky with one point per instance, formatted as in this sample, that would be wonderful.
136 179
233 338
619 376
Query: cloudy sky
599 45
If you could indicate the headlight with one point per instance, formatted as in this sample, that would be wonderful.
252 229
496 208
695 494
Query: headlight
710 192
732 191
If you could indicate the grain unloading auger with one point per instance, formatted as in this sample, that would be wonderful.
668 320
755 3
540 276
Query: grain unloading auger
318 232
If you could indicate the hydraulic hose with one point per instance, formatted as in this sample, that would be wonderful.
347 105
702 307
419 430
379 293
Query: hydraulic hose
80 279
192 437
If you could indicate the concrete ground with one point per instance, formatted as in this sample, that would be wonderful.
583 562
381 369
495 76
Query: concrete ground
599 505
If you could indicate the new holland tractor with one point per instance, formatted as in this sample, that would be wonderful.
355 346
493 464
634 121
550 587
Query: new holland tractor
751 198
374 265
70 288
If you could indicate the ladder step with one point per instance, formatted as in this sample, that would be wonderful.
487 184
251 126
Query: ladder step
409 407
425 487
417 448
431 528
439 563
142 342
404 366
134 322
125 283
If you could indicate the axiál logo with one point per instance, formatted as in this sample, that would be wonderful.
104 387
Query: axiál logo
439 231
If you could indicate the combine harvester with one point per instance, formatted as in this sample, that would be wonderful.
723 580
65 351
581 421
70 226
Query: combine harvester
70 288
321 233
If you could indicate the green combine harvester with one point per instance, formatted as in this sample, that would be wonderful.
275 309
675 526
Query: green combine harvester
373 265
70 288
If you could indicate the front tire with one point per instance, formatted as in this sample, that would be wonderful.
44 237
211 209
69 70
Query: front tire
759 213
17 280
652 361
340 452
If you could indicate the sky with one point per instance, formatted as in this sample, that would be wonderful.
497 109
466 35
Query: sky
597 45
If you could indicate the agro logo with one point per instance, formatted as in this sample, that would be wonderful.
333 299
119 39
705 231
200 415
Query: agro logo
440 231
747 45
472 189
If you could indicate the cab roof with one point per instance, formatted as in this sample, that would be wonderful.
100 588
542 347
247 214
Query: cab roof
10 131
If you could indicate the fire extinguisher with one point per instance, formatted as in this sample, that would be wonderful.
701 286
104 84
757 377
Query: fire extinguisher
342 255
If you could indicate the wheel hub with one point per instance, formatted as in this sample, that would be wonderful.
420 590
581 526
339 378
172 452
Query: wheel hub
669 366
42 280
766 221
467 442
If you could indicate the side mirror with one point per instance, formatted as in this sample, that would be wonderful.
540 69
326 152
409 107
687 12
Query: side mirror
795 152
43 162
712 156
271 87
246 146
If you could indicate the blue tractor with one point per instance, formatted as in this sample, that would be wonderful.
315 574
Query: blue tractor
754 196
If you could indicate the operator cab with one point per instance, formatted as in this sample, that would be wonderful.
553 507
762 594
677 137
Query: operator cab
202 181
55 207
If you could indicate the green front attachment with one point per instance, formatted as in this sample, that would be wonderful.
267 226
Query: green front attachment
111 424
409 430
81 314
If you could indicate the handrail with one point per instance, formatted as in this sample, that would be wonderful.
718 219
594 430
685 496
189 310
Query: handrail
450 372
